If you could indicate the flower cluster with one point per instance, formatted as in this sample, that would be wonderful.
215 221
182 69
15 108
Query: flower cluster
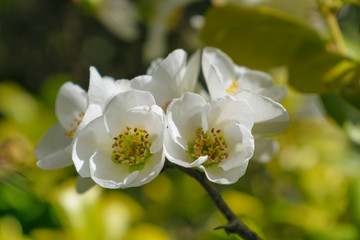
119 133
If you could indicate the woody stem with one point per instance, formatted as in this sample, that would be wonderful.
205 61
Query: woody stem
235 225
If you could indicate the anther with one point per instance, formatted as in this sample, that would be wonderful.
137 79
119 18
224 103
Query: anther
74 126
131 148
234 87
212 144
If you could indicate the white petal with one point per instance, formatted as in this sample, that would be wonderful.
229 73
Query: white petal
123 85
153 66
217 175
176 154
161 89
192 72
120 104
253 80
71 100
103 89
81 155
142 82
220 112
265 150
111 175
151 119
214 82
199 89
95 91
58 159
111 88
93 111
108 174
240 146
275 126
276 93
84 184
184 117
152 169
260 83
170 67
54 149
270 116
164 82
217 58
94 136
105 93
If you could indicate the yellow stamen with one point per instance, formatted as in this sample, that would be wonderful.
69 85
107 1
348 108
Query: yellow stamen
233 87
132 148
211 143
74 126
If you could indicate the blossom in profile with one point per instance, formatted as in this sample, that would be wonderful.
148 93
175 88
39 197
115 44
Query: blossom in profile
74 109
215 136
169 78
224 78
124 147
54 149
235 78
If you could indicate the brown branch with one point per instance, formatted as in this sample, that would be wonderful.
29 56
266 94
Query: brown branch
234 224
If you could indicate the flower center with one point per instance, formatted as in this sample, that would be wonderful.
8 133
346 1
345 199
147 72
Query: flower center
75 125
132 148
234 87
213 144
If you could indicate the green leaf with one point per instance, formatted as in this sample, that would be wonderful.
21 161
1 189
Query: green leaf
320 72
351 1
354 200
263 37
257 37
339 110
351 92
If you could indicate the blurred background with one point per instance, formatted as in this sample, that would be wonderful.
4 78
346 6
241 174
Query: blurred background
310 190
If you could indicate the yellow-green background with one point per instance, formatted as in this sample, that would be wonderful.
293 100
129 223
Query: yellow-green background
310 190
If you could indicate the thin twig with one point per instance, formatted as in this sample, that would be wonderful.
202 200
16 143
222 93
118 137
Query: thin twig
234 224
331 19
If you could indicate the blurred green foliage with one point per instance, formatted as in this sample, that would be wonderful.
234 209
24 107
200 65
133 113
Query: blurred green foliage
263 37
311 190
251 32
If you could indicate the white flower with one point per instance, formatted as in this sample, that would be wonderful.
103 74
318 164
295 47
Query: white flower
54 148
214 136
170 78
75 109
101 91
224 78
234 78
123 148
